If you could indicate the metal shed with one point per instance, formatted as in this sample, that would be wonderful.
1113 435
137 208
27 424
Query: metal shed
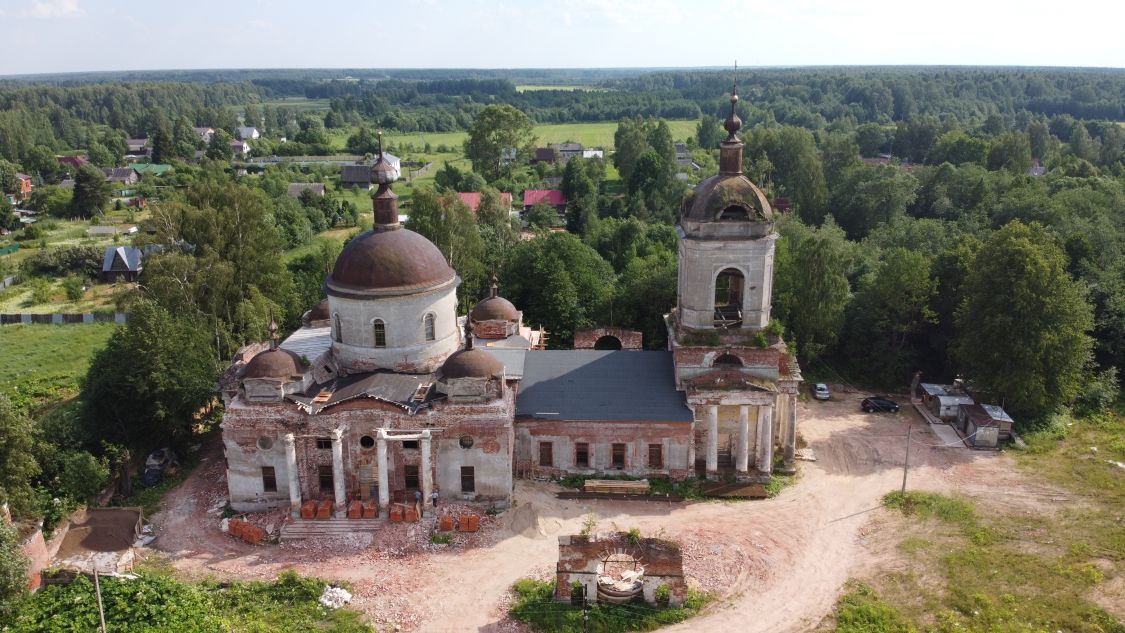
981 430
1002 418
945 407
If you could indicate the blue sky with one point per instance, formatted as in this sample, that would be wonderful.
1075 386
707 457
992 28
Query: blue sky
82 35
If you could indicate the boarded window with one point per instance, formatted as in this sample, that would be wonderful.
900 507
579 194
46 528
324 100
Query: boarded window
656 456
269 479
468 479
336 333
428 322
379 332
546 454
324 443
410 477
326 483
618 456
582 454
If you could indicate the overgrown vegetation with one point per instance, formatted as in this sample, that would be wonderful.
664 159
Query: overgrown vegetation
43 364
690 488
535 604
155 602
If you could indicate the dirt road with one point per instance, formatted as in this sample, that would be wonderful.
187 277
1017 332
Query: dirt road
778 564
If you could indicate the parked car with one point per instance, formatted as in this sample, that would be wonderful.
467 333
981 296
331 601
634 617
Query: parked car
879 403
820 391
159 463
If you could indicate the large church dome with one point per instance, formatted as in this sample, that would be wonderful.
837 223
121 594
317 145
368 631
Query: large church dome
388 261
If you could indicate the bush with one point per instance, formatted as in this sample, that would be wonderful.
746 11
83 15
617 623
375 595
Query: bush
41 290
535 604
441 538
74 286
861 611
82 476
13 570
1099 393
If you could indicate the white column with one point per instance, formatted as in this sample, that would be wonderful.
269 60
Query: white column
691 445
743 463
384 485
765 439
427 475
712 440
338 471
790 434
291 473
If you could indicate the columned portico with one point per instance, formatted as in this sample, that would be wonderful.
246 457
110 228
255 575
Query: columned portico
338 472
742 465
291 473
712 441
384 484
789 449
764 462
427 470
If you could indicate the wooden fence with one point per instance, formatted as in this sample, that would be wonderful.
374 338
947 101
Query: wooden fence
64 319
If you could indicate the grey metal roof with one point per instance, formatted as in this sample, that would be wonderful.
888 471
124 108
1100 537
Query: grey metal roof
596 385
396 389
129 257
310 342
511 359
997 413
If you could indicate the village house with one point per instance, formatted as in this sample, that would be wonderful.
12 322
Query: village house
552 197
248 133
387 393
544 155
120 175
73 162
472 200
205 133
240 149
593 153
295 189
136 147
567 151
121 263
23 187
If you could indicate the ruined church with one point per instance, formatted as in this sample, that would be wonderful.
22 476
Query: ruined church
387 394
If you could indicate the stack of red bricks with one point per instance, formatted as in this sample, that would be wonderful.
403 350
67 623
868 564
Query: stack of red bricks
246 531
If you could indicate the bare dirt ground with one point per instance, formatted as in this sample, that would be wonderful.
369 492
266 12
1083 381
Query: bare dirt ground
777 565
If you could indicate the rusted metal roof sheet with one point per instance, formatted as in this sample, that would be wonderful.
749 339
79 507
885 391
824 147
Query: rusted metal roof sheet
396 389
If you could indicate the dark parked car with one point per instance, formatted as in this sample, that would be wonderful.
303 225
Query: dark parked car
879 403
159 463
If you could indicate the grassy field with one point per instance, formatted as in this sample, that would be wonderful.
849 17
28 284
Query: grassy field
975 566
588 134
44 363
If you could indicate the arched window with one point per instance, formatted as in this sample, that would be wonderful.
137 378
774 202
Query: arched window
727 360
728 298
607 342
379 332
428 327
734 212
337 335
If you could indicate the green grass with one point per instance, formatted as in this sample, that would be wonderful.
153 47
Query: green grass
535 605
690 488
974 568
155 601
43 364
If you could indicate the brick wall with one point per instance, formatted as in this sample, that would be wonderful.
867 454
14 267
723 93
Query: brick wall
580 556
630 339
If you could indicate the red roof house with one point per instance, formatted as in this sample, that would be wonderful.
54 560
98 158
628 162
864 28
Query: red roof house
25 186
74 162
472 200
553 197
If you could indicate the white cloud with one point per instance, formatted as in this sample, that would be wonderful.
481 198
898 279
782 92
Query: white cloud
50 9
261 24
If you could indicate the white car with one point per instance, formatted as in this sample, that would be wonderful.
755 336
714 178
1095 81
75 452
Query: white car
820 391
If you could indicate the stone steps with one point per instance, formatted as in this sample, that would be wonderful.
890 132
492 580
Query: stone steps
334 527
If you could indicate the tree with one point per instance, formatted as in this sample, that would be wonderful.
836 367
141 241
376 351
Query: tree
41 160
869 195
630 141
219 147
449 224
956 147
645 293
163 145
709 132
542 216
1022 328
363 141
1011 151
891 306
582 198
812 287
496 130
13 570
448 178
17 459
1081 145
91 192
838 152
561 284
154 375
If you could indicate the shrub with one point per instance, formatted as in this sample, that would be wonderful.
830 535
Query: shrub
74 286
861 611
1098 393
13 569
441 538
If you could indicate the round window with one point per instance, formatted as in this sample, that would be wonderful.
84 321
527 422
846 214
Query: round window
466 441
367 441
265 443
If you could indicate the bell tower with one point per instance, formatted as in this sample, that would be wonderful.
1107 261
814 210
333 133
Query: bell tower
738 375
726 246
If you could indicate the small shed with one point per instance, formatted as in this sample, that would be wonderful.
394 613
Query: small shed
121 263
943 400
980 429
1002 419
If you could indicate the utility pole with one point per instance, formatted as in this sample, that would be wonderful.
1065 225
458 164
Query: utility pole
98 591
906 464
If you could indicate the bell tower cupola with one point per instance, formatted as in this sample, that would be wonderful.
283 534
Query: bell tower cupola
726 245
